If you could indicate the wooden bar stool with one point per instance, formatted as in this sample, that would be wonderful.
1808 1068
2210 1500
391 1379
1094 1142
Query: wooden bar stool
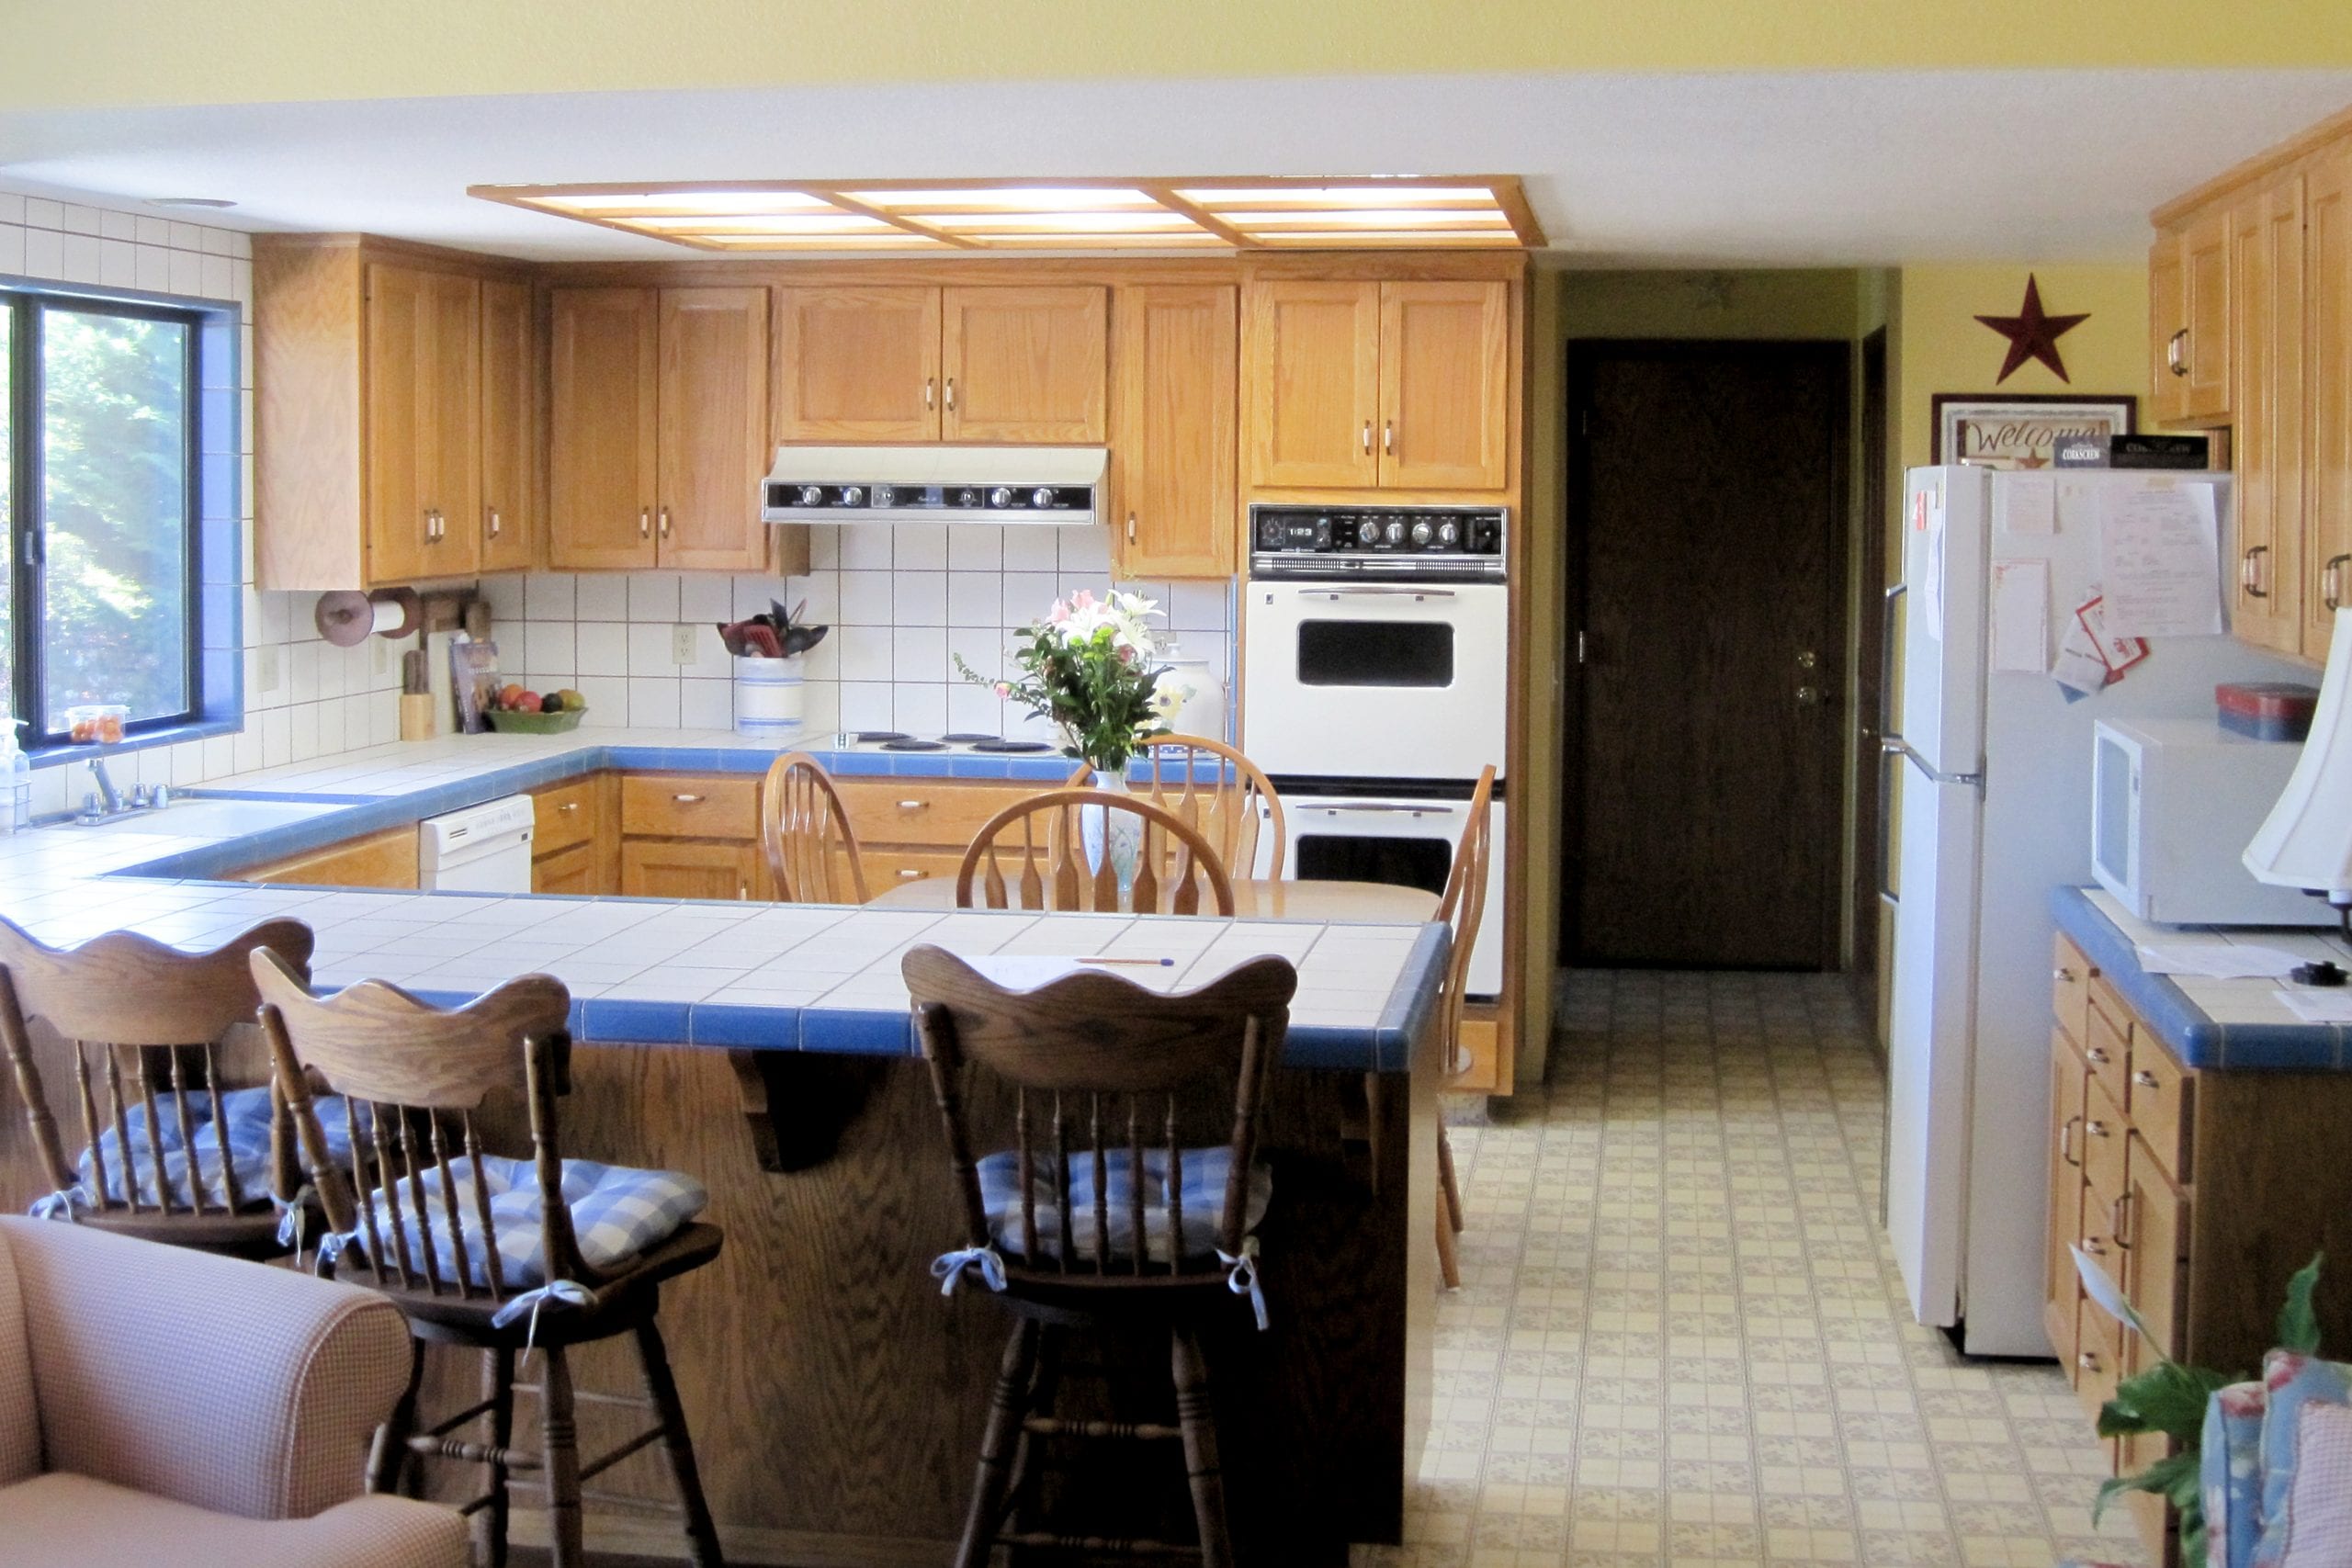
1461 907
811 848
1132 1231
494 1254
175 1154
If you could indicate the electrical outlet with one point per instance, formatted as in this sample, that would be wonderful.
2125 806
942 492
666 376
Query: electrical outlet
265 669
379 654
682 645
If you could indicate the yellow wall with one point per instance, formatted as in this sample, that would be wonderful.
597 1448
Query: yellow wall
1789 303
111 52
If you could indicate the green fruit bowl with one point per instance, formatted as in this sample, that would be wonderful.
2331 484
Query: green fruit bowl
511 723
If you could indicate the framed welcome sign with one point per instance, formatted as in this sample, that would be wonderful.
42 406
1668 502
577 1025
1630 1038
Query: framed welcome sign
2021 430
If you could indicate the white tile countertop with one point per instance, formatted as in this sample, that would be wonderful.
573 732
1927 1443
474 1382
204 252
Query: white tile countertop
660 970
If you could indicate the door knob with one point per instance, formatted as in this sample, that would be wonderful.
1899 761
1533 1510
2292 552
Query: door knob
1808 696
1808 660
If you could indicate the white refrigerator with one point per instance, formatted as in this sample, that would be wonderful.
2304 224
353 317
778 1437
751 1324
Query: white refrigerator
1991 813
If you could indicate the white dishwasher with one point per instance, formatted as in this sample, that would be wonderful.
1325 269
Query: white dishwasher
483 849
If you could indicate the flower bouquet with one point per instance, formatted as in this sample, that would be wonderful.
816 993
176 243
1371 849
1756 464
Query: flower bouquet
1090 665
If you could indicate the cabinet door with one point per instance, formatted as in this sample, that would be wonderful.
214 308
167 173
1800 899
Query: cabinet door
1024 364
401 426
1173 430
857 365
2167 332
1312 383
661 868
571 870
714 423
601 362
2327 458
2069 1084
506 520
2205 283
454 547
2267 331
1444 385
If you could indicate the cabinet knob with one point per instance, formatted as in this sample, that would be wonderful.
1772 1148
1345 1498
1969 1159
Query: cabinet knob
1131 527
568 806
687 799
911 873
2144 1079
2087 1360
743 892
2098 1054
493 521
2094 1247
2096 1129
2063 974
914 805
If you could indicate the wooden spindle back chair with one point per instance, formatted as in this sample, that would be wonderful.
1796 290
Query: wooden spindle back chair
1105 1076
811 848
142 1020
1217 790
1462 908
1042 841
414 1080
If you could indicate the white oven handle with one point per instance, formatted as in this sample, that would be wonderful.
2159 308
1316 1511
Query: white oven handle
1432 809
1384 591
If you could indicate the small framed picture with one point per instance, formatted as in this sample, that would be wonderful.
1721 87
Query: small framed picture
2021 430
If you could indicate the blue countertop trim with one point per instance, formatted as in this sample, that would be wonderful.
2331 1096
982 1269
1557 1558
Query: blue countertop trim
1417 993
2199 1041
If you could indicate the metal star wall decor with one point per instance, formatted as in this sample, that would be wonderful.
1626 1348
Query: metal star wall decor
2033 334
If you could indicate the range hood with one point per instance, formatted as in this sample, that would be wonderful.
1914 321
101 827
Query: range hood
1053 485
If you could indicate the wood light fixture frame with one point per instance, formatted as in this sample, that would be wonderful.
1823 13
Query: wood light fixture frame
1211 213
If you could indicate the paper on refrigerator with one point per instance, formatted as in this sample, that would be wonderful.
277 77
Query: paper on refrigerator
2025 502
2160 560
2020 616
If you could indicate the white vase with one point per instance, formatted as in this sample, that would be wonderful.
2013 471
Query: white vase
1123 830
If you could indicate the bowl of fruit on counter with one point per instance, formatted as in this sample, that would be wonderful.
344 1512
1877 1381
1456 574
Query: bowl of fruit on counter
514 709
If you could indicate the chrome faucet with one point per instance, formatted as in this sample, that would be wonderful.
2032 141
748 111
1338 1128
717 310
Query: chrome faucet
109 797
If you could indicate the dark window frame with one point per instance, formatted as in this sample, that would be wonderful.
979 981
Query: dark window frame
39 730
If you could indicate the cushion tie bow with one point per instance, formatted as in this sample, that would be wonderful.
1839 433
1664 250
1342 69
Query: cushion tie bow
948 1267
1242 1277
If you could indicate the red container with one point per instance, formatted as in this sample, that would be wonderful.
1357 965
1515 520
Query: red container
2266 710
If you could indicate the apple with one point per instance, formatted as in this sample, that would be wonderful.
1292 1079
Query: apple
510 695
528 702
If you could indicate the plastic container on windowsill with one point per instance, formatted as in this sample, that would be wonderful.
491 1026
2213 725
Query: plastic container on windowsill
96 724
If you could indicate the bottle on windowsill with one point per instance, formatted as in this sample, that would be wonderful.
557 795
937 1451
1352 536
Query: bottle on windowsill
15 781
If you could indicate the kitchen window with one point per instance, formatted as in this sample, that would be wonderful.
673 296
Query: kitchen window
103 470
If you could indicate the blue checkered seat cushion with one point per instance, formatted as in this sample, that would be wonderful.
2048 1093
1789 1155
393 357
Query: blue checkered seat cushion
244 1119
1202 1205
618 1211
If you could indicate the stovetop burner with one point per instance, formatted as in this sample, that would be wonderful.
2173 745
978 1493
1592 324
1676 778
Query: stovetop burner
1002 747
906 743
871 736
961 737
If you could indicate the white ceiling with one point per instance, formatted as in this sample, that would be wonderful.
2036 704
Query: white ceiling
1856 168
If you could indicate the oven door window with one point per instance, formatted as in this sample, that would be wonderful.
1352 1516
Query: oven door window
1375 653
1372 857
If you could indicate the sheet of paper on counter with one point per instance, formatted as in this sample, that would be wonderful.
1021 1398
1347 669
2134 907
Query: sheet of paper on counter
2026 503
2160 560
2331 1005
2217 960
2021 616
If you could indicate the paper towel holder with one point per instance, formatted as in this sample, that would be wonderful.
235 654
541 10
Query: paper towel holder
347 618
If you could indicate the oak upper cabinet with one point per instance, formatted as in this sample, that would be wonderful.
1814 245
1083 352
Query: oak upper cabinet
1356 386
658 427
508 531
2191 317
1004 364
857 365
713 424
1172 429
2327 396
423 422
1024 364
603 357
2266 267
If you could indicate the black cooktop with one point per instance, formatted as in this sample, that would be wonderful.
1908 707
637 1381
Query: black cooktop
900 741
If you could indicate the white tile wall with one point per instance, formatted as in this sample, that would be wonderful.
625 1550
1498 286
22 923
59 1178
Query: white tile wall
902 603
303 697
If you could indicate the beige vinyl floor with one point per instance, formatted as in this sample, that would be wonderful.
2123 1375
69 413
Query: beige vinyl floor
1681 1339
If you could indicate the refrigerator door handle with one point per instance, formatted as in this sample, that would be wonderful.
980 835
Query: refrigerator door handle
1886 658
1886 893
1896 744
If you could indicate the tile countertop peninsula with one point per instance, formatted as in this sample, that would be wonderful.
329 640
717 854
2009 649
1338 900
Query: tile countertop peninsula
766 1049
2211 1025
657 971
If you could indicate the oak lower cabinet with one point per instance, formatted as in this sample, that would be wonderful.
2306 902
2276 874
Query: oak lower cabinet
1025 365
691 836
1362 385
2199 1192
1177 348
393 385
658 431
575 837
386 860
911 829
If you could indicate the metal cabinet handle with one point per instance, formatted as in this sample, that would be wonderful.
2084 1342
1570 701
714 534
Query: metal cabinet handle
744 891
688 799
1131 527
645 522
665 522
2066 1141
2177 352
1367 438
2250 574
951 394
911 873
568 806
2117 1214
913 804
2331 581
929 384
494 523
2144 1079
1388 436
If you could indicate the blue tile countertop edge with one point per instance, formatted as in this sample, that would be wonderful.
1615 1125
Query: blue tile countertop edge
2199 1039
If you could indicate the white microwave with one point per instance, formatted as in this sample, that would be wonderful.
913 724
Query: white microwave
2174 804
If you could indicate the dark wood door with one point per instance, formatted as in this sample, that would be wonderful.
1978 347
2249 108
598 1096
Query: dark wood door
1707 504
1872 521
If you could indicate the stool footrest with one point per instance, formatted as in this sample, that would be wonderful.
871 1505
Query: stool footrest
451 1422
1046 1540
471 1453
1144 1431
590 1396
605 1462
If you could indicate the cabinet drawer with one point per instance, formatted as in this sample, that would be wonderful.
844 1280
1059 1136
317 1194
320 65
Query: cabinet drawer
1477 1059
563 816
690 806
926 813
571 870
2098 1358
888 868
2160 1097
2070 979
2107 1042
2104 1136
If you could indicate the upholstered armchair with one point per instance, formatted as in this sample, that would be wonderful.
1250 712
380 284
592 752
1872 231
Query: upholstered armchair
159 1404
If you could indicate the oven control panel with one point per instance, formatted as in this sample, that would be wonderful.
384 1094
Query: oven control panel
1460 542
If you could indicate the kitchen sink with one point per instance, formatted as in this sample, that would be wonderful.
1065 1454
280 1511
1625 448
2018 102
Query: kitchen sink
212 818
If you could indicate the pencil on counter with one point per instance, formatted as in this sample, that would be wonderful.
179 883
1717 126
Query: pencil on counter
1143 963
